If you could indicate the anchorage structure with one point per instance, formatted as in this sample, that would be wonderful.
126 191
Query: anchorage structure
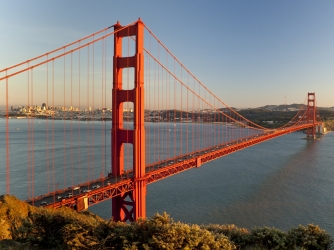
130 205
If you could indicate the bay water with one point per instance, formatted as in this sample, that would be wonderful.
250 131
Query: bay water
280 183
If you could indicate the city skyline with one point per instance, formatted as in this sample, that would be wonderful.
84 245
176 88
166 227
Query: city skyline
249 54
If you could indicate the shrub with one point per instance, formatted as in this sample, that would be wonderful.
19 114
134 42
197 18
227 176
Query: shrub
235 234
161 232
311 237
268 238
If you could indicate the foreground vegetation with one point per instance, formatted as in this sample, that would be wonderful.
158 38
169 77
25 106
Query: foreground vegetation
26 227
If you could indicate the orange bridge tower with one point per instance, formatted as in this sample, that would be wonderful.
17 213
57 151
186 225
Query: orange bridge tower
311 116
131 205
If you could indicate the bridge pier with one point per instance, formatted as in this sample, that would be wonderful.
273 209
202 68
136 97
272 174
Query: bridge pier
129 206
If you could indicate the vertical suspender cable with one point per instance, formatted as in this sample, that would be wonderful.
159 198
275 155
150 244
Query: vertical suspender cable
181 135
87 118
28 107
7 142
64 124
198 108
161 100
158 106
193 121
205 130
167 111
32 138
148 101
169 117
213 116
71 132
103 120
93 112
47 126
79 103
216 120
93 109
105 105
239 125
174 112
187 112
230 126
53 127
155 112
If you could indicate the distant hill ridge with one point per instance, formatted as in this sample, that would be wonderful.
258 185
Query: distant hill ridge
286 107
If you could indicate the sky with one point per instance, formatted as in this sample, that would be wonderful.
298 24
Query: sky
249 53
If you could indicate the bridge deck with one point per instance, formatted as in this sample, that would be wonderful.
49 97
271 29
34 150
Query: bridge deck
105 188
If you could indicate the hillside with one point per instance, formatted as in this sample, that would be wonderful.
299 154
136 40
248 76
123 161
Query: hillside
274 118
26 227
290 107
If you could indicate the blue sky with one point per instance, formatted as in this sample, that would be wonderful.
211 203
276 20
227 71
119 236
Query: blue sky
250 53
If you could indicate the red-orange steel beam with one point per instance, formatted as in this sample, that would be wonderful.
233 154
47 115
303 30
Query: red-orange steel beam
7 143
137 197
97 195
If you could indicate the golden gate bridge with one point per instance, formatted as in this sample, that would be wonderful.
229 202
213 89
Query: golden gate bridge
142 82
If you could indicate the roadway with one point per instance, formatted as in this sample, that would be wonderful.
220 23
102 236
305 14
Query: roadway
111 186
